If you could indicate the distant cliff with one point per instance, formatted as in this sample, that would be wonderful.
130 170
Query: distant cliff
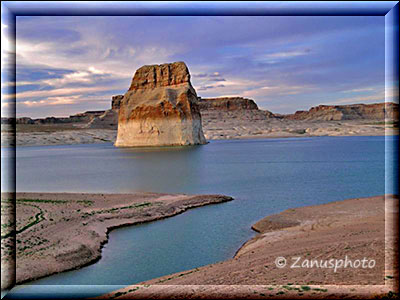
227 103
214 109
377 111
78 118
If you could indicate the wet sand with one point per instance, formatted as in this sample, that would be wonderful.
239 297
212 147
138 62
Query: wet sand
353 228
63 231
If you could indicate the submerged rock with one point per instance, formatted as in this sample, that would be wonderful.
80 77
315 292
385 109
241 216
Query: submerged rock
160 109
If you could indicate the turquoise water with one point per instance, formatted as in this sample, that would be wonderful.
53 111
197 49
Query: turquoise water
264 176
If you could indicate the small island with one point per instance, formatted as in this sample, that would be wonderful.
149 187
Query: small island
160 109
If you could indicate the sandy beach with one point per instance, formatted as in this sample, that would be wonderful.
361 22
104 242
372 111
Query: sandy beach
63 231
353 228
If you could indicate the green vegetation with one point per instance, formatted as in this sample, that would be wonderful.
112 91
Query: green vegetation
320 290
5 226
85 202
43 201
119 294
180 275
305 288
391 295
35 220
116 209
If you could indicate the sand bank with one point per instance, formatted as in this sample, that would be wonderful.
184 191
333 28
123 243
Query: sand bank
215 129
63 231
353 228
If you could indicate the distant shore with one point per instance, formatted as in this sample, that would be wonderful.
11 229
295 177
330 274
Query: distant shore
57 232
40 135
353 228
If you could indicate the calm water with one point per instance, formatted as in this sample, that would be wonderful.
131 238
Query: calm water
264 177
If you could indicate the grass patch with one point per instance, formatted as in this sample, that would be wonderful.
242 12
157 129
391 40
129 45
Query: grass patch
180 275
42 201
85 202
116 209
38 218
320 290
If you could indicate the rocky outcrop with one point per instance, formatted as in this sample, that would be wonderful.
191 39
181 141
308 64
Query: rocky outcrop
108 120
160 109
78 118
377 111
227 104
85 117
116 101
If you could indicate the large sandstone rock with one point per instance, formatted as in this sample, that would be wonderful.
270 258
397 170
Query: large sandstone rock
160 109
378 111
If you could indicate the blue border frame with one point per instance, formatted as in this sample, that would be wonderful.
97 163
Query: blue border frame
389 9
204 8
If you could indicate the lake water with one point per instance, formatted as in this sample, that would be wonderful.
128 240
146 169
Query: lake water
265 176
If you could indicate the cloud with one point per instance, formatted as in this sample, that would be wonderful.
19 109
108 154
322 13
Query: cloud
361 99
216 76
217 79
57 92
295 60
208 87
359 90
51 101
285 54
281 90
200 75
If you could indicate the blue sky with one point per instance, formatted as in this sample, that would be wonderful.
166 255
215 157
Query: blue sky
67 65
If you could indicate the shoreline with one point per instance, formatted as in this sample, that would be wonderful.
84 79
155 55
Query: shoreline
333 228
232 130
250 137
85 244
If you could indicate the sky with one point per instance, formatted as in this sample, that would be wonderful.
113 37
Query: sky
70 64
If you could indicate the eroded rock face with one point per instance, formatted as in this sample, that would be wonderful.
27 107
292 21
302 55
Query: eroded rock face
160 109
377 111
116 101
108 120
227 104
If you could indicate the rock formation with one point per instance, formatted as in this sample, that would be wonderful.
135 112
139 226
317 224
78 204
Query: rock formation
377 111
116 101
227 103
77 118
160 109
109 119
